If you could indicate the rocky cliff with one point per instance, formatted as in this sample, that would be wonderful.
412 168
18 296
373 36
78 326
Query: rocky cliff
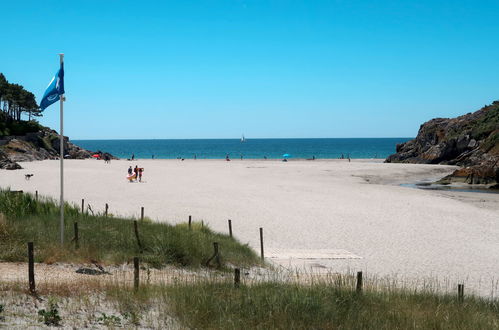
40 145
470 141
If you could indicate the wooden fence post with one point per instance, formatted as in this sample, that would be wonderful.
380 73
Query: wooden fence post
261 244
217 255
190 222
136 270
237 277
107 208
359 282
136 229
142 213
36 195
31 269
82 205
460 292
77 245
230 228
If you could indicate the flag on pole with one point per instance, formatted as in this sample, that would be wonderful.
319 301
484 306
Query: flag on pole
54 90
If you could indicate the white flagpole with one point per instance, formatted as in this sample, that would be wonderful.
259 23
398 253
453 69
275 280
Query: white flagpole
61 102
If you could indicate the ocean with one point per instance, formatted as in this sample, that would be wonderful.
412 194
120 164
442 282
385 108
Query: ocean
250 148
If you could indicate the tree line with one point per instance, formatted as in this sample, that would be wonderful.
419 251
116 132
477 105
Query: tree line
15 100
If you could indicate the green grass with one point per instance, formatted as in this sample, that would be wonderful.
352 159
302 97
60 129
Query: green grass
209 304
320 305
106 239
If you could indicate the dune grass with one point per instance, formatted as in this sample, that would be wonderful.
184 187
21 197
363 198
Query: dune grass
207 304
323 306
108 240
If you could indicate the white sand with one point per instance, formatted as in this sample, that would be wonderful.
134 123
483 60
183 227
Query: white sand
307 208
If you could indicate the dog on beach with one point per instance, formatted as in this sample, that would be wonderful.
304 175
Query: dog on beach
28 176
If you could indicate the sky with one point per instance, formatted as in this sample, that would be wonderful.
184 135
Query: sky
265 69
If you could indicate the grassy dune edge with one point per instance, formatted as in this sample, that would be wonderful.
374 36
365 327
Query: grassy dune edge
208 304
107 240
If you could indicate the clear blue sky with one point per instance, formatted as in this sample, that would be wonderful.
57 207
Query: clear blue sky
217 69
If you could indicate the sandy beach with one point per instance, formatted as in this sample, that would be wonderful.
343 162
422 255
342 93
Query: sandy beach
327 215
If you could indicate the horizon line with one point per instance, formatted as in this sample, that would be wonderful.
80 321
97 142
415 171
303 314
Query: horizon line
260 138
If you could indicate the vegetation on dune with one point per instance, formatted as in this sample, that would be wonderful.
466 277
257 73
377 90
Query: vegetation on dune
324 306
104 239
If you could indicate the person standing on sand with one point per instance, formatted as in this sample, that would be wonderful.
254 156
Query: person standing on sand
140 174
136 171
130 170
133 156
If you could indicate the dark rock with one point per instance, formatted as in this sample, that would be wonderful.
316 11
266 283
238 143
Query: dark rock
41 145
91 271
7 164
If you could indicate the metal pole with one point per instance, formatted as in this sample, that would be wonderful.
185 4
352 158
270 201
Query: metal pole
261 244
61 102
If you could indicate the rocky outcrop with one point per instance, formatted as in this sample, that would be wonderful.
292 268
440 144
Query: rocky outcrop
7 164
470 141
41 145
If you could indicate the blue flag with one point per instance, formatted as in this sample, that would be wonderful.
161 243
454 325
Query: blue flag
54 90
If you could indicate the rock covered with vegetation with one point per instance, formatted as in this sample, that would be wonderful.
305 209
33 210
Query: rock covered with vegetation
27 140
34 142
470 141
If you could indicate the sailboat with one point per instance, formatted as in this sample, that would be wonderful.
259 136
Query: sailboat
243 139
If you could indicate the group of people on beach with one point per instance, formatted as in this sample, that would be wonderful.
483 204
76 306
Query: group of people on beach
135 174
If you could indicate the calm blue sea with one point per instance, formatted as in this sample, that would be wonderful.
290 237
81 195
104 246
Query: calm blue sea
251 148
